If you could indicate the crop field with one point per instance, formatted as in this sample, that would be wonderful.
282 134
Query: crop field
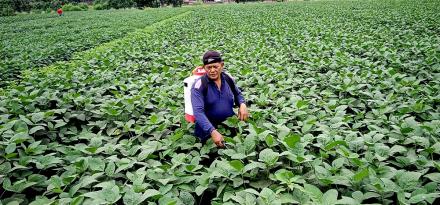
343 97
32 41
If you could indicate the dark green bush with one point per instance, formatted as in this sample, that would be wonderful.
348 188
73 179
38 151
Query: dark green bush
83 6
7 11
118 4
100 6
151 3
72 7
175 3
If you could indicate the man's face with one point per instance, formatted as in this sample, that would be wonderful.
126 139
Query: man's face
214 70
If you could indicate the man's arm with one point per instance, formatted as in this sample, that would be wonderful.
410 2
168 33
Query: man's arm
198 105
240 97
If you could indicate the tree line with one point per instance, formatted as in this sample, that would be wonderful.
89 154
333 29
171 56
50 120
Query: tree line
10 7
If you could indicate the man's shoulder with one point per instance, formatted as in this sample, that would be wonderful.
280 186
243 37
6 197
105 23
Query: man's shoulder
228 75
198 84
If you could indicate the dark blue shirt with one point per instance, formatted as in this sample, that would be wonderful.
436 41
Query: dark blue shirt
214 108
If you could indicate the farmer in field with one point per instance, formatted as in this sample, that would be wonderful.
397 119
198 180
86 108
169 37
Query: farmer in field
60 12
213 97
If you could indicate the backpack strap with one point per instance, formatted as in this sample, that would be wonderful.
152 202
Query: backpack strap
228 80
232 86
204 85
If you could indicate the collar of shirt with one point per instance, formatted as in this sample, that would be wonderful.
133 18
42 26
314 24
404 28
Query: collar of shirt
222 78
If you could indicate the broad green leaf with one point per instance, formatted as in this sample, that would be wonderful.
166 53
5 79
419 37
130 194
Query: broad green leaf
35 129
291 140
187 198
150 193
314 193
237 165
284 175
361 175
41 201
268 156
165 200
108 194
268 195
133 198
330 197
200 189
10 148
423 197
336 143
435 177
5 168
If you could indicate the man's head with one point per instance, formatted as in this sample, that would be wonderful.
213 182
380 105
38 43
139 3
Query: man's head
213 64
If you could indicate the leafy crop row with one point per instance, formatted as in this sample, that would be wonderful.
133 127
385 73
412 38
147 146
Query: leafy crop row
343 97
30 41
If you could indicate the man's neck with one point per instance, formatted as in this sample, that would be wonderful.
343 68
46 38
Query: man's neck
218 82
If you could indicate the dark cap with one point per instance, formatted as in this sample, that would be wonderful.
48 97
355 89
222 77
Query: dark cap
212 57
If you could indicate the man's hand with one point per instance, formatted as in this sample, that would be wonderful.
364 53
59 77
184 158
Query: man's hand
243 112
217 138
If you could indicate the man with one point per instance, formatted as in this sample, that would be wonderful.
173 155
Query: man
60 12
213 99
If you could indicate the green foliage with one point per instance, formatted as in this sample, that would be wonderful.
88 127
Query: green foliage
75 7
28 43
6 10
343 99
117 4
103 6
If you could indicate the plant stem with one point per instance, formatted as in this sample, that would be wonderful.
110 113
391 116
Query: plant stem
1 196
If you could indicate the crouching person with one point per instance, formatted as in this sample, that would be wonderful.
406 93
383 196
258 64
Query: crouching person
213 96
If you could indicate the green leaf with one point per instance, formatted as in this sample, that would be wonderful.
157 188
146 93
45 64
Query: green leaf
96 164
5 168
268 156
269 140
284 175
37 117
336 143
150 193
406 130
423 197
301 103
268 195
166 200
110 169
292 139
27 121
187 198
35 129
314 193
20 137
407 180
154 119
200 189
237 165
18 186
10 148
361 175
77 200
435 177
330 197
133 198
42 201
109 194
253 165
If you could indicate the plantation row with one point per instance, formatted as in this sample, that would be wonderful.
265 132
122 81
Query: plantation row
44 39
343 98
